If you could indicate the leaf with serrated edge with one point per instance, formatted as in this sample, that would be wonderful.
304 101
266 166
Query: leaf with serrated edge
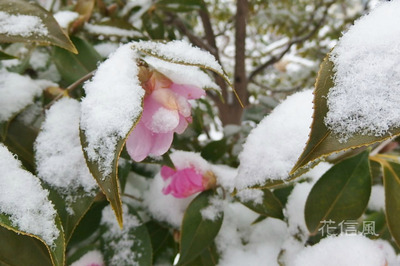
57 253
322 142
391 180
197 233
55 35
340 194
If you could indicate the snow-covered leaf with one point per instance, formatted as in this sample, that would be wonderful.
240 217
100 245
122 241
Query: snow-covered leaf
340 194
129 246
270 206
23 21
357 88
109 112
26 209
197 233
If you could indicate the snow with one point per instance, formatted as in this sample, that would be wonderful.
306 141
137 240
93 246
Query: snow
225 176
366 64
16 93
192 76
109 30
21 25
164 120
113 102
165 208
277 142
241 243
24 200
65 17
214 210
186 159
120 242
180 51
344 250
92 258
59 156
106 48
377 198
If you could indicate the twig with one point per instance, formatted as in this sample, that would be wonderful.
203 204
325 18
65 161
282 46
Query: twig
70 88
132 197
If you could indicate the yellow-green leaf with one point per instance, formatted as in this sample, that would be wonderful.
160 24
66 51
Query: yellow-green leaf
322 141
391 177
50 33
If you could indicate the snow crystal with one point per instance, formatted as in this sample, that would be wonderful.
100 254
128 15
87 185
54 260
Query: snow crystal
344 250
273 147
24 200
193 75
180 51
109 30
241 243
65 17
165 208
113 102
377 198
16 93
365 99
92 258
21 25
59 156
120 241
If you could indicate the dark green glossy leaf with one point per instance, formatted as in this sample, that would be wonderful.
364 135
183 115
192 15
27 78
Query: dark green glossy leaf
55 35
214 150
57 251
165 159
71 66
17 250
283 193
209 257
162 241
180 5
391 174
271 206
79 208
322 141
138 236
340 194
197 233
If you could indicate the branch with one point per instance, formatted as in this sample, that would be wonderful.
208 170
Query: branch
289 45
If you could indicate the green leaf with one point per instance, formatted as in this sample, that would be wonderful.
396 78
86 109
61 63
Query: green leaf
271 206
180 5
162 241
214 150
55 35
209 257
108 184
4 56
79 207
197 233
391 182
17 249
19 140
340 194
71 66
153 25
322 141
116 243
57 251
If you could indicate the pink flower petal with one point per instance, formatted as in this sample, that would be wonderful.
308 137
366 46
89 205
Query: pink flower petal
167 172
183 123
184 183
139 142
161 143
150 107
187 91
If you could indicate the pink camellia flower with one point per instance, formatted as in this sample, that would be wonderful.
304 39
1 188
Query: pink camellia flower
187 181
166 110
